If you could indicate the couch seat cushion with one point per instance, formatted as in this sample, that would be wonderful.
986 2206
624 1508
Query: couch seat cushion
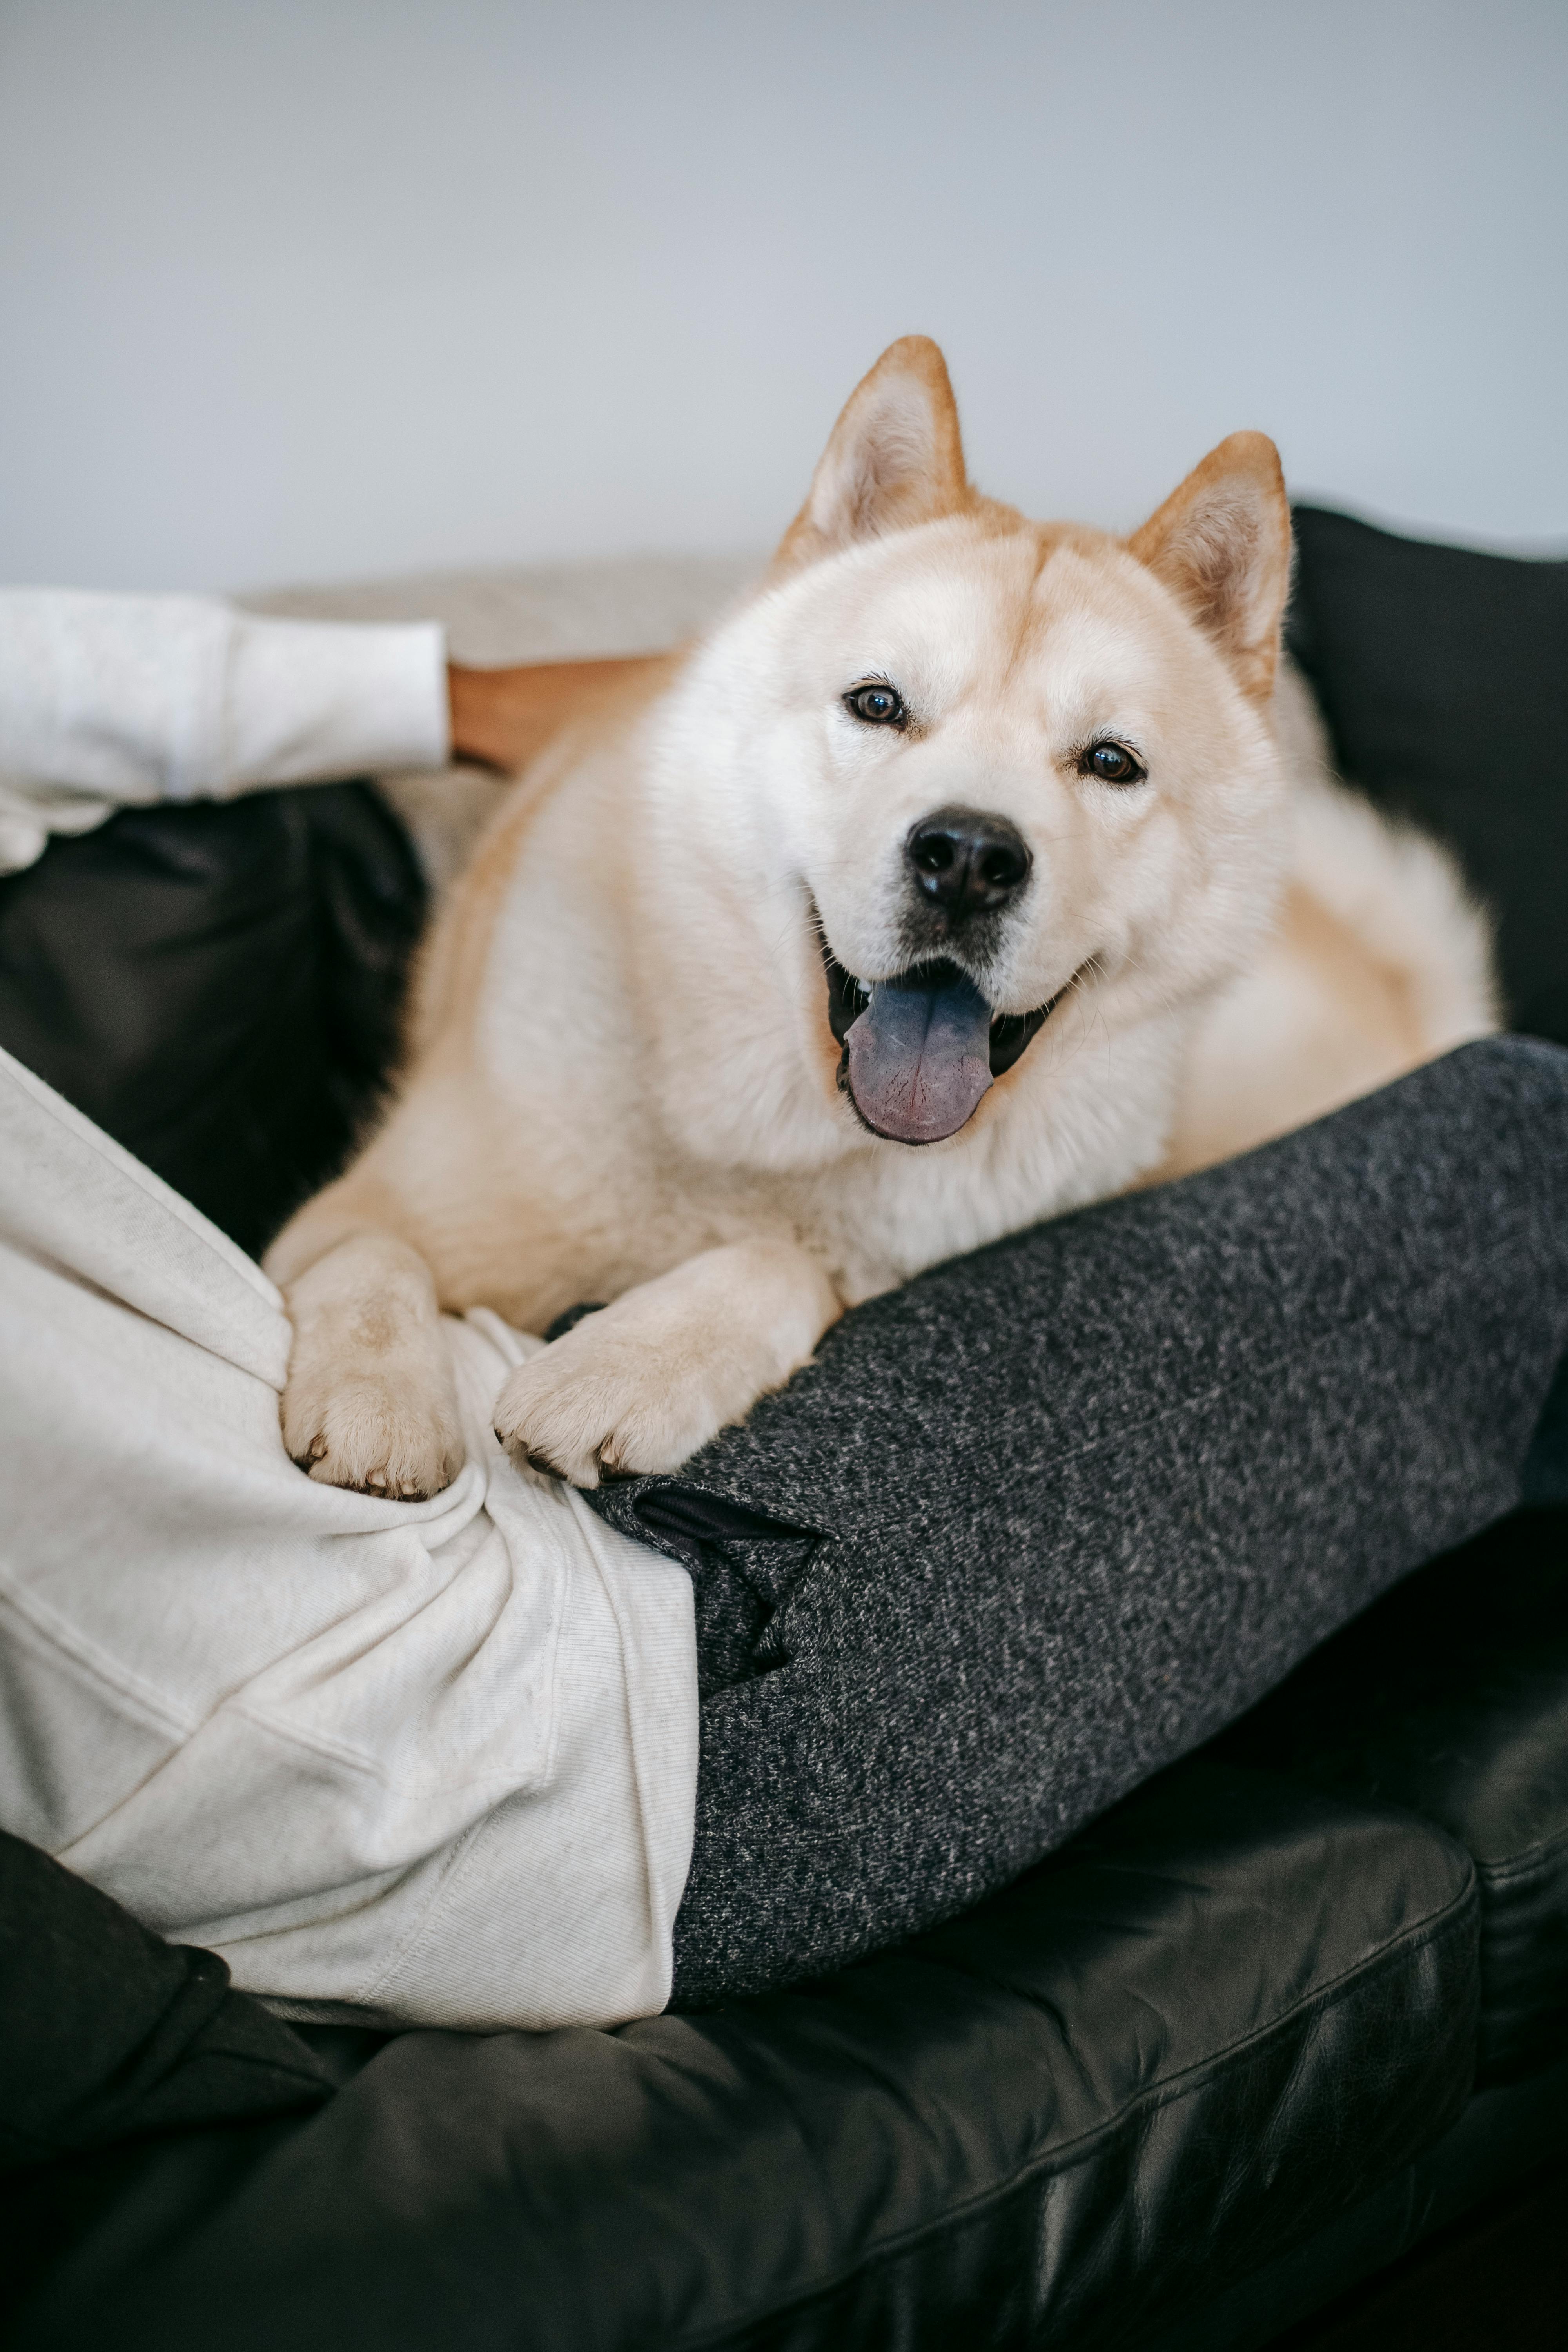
1451 1697
1169 2053
1443 675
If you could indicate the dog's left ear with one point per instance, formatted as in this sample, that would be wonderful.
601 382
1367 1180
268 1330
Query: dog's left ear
894 459
1222 544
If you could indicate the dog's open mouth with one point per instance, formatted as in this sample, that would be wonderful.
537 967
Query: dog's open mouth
919 1050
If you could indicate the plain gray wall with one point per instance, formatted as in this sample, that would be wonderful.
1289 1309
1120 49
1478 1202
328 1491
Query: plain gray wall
294 291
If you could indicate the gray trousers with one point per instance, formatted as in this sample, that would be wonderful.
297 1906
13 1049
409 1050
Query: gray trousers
1048 1517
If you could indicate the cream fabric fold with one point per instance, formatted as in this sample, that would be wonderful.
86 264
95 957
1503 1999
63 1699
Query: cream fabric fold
425 1763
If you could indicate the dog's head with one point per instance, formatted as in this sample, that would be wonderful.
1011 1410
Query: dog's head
996 770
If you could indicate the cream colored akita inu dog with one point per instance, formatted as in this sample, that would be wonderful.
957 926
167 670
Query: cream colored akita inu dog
954 879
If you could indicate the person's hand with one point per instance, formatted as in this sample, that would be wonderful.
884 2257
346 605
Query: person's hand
502 716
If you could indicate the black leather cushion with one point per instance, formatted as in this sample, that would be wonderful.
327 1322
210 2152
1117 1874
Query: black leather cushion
219 986
1144 2070
1451 1697
1444 678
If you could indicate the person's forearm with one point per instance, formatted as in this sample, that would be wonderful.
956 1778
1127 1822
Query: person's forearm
501 718
107 700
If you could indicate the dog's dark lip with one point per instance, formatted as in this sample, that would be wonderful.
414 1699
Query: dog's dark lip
1011 1033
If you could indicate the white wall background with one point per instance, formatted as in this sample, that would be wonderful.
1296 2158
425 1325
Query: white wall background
308 288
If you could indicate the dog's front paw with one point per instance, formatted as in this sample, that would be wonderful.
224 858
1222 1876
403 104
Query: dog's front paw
389 1431
639 1387
600 1404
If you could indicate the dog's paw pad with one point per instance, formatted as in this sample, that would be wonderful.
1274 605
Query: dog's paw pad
596 1407
376 1434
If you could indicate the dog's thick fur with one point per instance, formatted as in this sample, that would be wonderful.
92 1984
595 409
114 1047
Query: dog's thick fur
625 1085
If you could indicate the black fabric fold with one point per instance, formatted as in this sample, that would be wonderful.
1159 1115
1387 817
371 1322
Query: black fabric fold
109 2033
219 985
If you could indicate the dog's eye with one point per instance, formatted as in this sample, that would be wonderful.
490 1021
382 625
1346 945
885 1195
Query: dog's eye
1112 763
878 704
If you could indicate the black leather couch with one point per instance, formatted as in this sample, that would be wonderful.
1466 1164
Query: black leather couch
1295 2008
1296 2004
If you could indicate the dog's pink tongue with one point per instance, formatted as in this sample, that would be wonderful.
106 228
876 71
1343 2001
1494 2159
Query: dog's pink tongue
920 1057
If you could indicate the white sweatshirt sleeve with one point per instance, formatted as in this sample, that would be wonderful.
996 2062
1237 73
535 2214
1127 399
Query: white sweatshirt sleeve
107 700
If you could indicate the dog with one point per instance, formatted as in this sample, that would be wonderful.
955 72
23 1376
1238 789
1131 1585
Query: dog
956 877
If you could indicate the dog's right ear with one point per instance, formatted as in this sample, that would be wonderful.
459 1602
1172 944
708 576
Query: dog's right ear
894 459
1221 543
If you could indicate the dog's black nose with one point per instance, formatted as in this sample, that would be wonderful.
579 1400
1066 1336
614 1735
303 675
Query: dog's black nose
966 863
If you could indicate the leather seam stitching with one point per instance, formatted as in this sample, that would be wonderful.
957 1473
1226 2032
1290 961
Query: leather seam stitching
1536 1858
